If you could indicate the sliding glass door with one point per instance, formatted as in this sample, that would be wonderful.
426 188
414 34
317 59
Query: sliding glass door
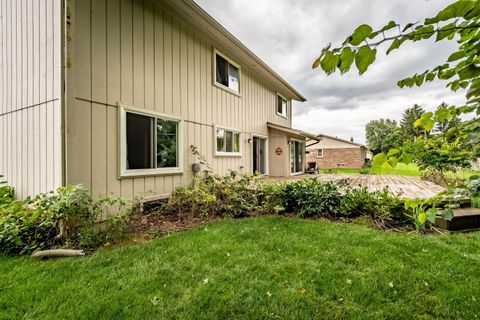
259 155
297 154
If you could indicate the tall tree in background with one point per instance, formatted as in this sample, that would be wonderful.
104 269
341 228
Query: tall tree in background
459 21
382 135
447 124
409 131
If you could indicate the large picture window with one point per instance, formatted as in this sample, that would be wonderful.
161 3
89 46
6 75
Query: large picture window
227 142
227 73
150 143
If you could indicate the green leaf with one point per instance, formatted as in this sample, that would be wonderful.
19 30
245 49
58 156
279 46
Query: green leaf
346 59
431 215
390 25
364 58
316 64
379 160
392 152
329 62
455 10
393 161
395 45
422 218
446 31
456 56
419 80
447 214
408 25
360 34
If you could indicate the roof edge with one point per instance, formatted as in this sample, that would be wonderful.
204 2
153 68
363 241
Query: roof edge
209 19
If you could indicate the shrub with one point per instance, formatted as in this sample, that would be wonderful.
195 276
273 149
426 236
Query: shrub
271 197
310 197
65 217
6 193
380 205
232 195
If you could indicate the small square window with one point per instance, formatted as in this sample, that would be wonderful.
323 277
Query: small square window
282 106
320 153
227 73
227 142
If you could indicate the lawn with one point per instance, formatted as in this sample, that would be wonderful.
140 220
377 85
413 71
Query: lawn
257 268
401 169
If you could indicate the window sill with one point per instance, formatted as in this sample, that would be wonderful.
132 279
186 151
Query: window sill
226 154
222 87
281 115
149 172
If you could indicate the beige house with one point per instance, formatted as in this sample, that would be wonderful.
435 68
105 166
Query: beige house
332 152
112 94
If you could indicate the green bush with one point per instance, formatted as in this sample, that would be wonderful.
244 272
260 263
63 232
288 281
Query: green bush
310 197
271 197
6 193
65 217
377 205
232 195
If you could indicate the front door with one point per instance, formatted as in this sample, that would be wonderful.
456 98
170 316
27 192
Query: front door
259 155
296 156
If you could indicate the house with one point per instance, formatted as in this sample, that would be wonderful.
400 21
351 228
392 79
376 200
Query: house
112 94
331 152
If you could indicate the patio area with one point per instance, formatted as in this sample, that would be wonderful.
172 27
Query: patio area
409 187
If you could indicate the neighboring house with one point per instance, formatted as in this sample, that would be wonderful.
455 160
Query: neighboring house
332 152
111 94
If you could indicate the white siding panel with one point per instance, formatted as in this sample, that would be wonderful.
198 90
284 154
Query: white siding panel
30 135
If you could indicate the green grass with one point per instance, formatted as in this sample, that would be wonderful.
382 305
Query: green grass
401 170
258 268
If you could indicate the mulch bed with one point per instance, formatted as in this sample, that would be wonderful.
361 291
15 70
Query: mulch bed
155 224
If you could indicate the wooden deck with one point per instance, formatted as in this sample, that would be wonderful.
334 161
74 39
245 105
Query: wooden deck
409 187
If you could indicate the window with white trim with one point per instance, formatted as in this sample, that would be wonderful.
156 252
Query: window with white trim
282 106
319 153
227 73
150 143
227 142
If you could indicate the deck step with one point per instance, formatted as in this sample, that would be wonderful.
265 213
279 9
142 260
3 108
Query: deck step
463 219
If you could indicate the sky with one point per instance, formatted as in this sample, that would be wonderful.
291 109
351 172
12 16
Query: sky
288 35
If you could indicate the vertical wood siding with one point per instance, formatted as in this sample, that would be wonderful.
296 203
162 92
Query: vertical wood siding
137 53
30 96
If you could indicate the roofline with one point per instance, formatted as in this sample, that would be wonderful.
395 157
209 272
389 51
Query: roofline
214 23
292 131
342 140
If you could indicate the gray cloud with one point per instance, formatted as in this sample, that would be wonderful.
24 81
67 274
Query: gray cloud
288 35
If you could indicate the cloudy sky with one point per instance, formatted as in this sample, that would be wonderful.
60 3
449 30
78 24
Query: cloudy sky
289 34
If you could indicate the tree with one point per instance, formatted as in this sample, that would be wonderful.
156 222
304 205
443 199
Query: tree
459 21
382 135
446 124
409 131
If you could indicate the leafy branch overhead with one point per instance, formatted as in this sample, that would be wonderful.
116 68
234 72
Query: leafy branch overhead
458 21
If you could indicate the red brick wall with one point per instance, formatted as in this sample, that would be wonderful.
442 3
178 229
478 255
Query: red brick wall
332 158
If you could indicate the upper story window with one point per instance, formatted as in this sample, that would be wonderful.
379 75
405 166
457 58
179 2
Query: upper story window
319 153
227 142
150 143
227 73
282 106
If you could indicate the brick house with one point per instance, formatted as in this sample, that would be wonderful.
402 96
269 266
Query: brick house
332 152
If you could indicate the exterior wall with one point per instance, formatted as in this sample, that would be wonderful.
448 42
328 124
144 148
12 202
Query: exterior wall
334 157
137 53
30 95
279 164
